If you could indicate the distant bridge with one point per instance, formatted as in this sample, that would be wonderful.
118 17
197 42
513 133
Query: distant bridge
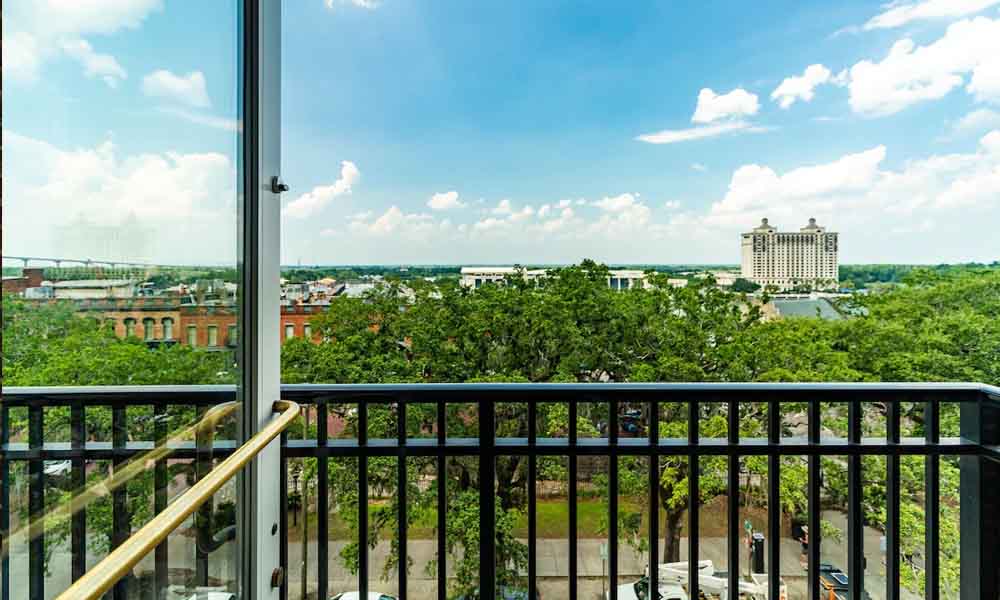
86 262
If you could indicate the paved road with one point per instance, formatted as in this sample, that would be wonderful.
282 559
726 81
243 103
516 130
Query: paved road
553 565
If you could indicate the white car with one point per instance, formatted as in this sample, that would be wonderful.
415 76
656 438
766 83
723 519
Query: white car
357 596
639 590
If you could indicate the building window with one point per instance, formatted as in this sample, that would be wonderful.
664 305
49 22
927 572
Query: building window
148 329
289 331
129 327
192 335
307 330
231 338
168 328
213 335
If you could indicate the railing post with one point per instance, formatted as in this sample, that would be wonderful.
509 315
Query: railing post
980 502
487 500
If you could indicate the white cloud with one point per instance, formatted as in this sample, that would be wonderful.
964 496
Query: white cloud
369 4
187 89
754 188
160 194
489 224
526 212
977 121
361 216
910 74
882 214
800 87
398 223
38 31
503 208
21 57
949 193
985 83
673 136
615 204
563 221
713 107
699 167
316 199
624 212
898 14
94 64
445 201
212 121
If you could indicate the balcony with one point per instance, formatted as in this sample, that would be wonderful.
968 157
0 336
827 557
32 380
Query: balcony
349 434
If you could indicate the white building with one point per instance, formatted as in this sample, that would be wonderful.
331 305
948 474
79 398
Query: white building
786 260
92 289
474 277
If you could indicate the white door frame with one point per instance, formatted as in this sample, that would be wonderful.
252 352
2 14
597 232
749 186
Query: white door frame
260 312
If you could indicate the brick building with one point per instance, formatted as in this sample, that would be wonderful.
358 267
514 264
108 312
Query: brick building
212 326
30 278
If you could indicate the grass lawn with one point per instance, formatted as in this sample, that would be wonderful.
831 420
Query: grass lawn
553 521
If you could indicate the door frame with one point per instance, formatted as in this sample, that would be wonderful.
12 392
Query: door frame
260 310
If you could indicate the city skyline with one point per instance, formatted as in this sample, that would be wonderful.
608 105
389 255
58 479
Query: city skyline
451 134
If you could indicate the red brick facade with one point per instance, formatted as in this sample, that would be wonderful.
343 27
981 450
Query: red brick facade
30 278
206 325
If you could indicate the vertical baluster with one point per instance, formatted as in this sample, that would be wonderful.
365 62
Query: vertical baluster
613 500
203 517
363 498
487 499
5 500
532 500
855 518
36 505
892 501
323 499
401 493
654 496
814 507
78 527
733 487
121 527
442 503
694 499
160 481
774 499
932 506
572 499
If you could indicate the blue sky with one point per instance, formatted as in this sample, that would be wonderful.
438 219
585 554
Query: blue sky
461 132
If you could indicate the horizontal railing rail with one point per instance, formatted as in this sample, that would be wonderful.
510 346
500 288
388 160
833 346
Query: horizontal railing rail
976 443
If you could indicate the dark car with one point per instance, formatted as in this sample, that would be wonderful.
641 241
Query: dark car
834 582
630 423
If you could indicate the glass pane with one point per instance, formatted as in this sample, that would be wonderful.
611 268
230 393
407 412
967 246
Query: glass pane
122 179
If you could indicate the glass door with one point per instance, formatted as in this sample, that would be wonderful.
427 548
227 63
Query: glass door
131 261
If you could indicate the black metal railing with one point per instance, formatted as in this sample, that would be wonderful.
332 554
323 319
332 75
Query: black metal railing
974 440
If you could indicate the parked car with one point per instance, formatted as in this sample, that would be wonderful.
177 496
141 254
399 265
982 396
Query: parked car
639 590
506 593
357 596
834 583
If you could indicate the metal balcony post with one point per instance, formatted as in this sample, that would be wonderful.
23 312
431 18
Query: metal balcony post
980 501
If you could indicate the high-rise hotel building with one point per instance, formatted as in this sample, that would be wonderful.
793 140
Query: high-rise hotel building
787 260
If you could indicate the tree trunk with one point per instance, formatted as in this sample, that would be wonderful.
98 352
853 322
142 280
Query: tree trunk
672 536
